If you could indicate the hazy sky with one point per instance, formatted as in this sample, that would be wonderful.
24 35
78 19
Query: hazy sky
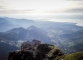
53 10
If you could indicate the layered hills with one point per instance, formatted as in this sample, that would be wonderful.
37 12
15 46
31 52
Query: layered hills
65 35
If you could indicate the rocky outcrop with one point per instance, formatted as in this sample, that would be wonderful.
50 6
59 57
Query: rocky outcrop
30 46
44 52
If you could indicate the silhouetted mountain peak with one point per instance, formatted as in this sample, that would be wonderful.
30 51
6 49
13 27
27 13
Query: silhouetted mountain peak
4 20
20 29
32 27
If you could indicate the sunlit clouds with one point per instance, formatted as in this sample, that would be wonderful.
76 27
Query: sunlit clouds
41 9
39 6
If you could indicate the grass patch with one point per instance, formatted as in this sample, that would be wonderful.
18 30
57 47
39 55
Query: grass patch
74 56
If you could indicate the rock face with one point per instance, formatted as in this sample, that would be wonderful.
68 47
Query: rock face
44 52
20 55
30 46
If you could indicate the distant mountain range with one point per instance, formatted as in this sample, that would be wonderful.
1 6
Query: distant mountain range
9 23
5 25
21 22
25 34
65 35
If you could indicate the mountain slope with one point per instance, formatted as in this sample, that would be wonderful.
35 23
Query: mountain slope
37 33
5 49
21 22
25 34
62 34
5 25
73 56
14 34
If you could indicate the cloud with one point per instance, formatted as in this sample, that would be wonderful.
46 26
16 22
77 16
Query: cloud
1 7
52 6
74 10
2 3
17 8
70 11
73 0
14 11
6 10
77 9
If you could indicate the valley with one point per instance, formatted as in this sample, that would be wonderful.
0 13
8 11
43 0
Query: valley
67 36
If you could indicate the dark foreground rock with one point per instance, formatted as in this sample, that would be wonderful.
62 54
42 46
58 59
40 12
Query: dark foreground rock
44 52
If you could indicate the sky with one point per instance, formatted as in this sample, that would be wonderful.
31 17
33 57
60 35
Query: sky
51 10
